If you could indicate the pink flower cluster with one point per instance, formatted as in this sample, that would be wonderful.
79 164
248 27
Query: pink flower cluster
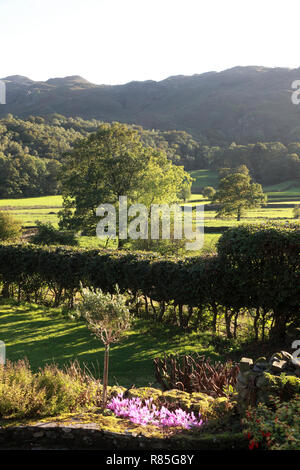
148 413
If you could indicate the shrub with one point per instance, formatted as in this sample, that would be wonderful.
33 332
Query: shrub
47 234
209 192
276 427
10 228
196 374
296 211
284 386
51 391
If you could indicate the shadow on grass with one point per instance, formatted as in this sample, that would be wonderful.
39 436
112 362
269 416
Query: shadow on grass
43 336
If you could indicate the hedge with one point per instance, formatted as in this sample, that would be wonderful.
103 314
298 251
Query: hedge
257 267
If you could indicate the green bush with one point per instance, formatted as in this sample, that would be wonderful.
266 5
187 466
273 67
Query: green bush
261 268
47 234
10 228
276 427
209 192
283 386
296 211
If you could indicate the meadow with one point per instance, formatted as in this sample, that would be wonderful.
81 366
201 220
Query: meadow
281 200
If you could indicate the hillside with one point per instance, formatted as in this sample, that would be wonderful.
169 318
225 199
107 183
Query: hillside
243 104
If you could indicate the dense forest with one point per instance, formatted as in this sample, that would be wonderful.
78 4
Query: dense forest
32 151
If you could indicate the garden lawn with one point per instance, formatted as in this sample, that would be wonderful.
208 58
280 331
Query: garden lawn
44 335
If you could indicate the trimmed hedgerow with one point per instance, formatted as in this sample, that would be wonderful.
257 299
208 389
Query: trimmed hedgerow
257 267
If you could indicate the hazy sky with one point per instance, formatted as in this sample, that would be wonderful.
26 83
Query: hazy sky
116 41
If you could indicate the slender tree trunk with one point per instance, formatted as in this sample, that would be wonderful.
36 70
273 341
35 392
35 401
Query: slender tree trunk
278 331
180 313
215 317
162 311
235 327
146 306
5 290
228 316
105 376
255 324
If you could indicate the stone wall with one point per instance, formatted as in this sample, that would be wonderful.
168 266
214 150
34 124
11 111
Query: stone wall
52 436
259 380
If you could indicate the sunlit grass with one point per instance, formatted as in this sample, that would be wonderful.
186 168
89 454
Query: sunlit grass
47 201
44 335
45 209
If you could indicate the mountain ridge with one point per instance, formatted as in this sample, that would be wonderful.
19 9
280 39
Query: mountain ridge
240 104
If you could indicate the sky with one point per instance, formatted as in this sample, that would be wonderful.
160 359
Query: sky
118 41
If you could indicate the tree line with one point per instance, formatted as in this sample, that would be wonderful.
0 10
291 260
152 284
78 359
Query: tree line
32 151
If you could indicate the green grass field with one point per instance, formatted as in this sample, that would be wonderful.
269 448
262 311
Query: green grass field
203 178
282 197
44 335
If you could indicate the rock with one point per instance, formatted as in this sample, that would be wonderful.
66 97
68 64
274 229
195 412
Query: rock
242 379
261 364
261 359
261 381
278 366
286 356
245 364
275 357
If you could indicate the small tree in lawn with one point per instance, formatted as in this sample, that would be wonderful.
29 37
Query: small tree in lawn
237 193
107 316
208 192
10 228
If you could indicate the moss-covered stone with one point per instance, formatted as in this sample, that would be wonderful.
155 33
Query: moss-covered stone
115 391
144 393
174 395
201 396
202 407
177 398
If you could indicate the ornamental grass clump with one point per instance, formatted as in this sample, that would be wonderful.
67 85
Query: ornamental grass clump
144 413
108 317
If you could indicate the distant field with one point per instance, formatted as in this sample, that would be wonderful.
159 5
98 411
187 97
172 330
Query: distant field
46 201
203 178
281 200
